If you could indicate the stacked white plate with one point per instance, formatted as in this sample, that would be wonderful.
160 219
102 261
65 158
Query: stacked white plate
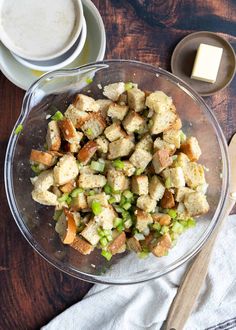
73 34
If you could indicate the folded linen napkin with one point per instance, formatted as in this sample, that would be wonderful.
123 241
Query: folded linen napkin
145 306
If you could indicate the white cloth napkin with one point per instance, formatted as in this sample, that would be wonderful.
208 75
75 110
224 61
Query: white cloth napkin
145 306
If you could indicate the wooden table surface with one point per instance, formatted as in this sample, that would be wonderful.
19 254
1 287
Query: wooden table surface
31 291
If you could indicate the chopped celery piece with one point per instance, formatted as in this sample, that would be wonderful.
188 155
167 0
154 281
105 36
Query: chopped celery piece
117 222
57 116
106 254
103 241
96 208
168 183
172 213
128 85
118 209
97 166
143 254
156 226
118 164
89 80
35 169
18 129
127 206
76 192
128 194
68 200
109 238
174 157
191 223
112 200
164 230
177 227
139 171
89 131
116 192
107 189
128 223
63 198
57 215
100 232
182 137
122 201
139 237
120 228
125 214
91 193
107 232
79 164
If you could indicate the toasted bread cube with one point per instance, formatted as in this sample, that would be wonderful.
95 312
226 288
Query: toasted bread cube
69 131
168 201
159 144
87 152
101 198
143 219
79 203
177 124
176 176
191 149
43 181
127 184
145 143
128 168
194 174
117 111
94 126
44 197
106 218
103 106
139 184
140 158
42 157
196 203
161 159
120 148
81 245
156 188
146 203
68 187
118 242
133 121
113 91
86 103
158 101
90 181
172 136
181 192
90 232
136 99
162 121
102 144
53 138
73 147
65 170
181 160
77 117
162 245
163 219
116 179
114 132
133 244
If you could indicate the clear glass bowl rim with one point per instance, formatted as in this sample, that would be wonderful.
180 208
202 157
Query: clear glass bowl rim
102 278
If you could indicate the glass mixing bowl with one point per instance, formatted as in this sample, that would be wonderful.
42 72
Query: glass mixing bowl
57 89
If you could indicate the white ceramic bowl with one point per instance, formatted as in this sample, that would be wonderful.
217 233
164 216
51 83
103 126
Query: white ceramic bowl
60 61
44 31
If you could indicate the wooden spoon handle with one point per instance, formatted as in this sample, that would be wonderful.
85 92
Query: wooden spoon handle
194 277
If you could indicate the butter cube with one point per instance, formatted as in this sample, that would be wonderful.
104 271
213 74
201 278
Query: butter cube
207 62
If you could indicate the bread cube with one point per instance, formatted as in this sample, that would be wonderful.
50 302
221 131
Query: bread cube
93 126
113 91
162 121
102 144
86 103
136 99
177 124
76 116
116 179
160 144
65 170
79 203
117 244
133 244
181 160
87 152
159 102
162 218
172 136
140 158
161 247
106 218
90 181
143 219
68 187
120 148
139 184
69 132
117 111
191 148
114 132
168 201
103 106
145 143
43 181
181 192
42 157
101 198
128 169
160 160
44 197
81 245
156 188
53 138
194 174
146 203
90 232
176 176
133 121
196 203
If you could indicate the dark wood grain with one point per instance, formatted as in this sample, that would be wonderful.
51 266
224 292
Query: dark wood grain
32 291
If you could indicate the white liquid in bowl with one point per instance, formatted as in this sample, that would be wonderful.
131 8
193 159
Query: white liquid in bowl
38 28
